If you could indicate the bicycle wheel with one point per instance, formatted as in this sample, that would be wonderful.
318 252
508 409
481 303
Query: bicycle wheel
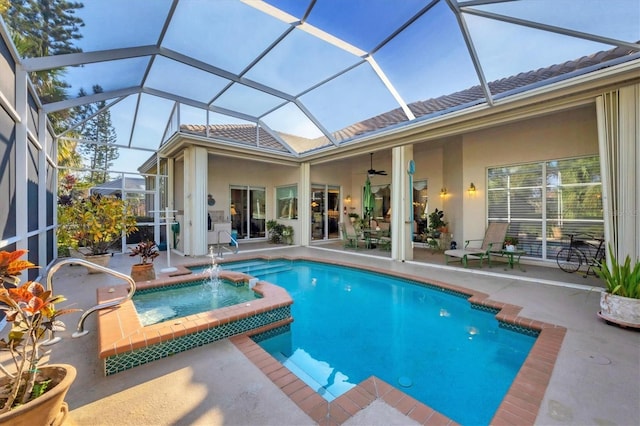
569 259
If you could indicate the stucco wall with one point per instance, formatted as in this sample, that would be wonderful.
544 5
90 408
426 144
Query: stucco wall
564 135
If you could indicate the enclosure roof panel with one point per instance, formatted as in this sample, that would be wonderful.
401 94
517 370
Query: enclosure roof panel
299 76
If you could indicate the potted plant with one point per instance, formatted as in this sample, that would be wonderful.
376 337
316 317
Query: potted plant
620 302
353 217
279 233
510 243
144 271
437 224
31 392
94 224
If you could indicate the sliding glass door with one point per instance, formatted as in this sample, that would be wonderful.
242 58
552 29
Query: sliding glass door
248 211
325 212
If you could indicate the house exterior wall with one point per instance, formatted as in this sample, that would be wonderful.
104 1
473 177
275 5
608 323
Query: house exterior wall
452 162
567 134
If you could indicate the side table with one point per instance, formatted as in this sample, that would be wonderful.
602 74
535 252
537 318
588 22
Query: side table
513 257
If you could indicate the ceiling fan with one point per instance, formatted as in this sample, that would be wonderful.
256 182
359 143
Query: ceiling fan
372 171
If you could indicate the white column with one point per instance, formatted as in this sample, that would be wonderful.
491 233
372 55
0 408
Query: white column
42 191
304 203
195 203
401 226
22 174
170 195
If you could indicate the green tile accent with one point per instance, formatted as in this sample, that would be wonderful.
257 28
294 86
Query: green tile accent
270 333
117 363
485 308
519 329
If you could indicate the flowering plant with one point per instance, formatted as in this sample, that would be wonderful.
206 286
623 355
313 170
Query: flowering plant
30 311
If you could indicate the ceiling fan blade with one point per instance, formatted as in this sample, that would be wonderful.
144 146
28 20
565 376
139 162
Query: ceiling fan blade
372 171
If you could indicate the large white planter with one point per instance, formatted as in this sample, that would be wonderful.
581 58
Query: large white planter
98 259
623 311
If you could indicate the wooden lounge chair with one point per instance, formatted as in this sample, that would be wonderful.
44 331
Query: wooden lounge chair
492 242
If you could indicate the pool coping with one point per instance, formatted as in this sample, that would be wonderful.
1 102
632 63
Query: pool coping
120 331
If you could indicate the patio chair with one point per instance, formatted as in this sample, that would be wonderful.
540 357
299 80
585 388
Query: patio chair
491 243
383 235
349 235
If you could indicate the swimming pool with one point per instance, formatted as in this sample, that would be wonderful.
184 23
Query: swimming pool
351 324
158 304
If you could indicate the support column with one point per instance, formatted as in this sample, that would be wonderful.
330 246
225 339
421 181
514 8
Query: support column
170 196
304 201
42 191
401 225
195 202
22 174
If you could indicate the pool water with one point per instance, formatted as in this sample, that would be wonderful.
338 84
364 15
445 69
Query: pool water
165 303
351 324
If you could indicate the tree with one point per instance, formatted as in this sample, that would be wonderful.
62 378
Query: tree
44 28
98 130
68 156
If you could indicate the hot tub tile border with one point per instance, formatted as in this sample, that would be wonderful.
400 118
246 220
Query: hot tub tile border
148 353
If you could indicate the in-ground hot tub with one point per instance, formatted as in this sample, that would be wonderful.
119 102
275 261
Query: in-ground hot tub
125 343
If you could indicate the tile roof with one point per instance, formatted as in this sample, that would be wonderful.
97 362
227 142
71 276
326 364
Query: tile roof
474 95
243 133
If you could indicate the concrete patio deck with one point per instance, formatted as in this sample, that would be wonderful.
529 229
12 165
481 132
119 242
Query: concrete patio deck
596 379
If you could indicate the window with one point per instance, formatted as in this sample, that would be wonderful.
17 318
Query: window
544 203
420 206
287 202
382 198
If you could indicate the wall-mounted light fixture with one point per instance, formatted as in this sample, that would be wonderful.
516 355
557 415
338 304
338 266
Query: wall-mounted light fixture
347 199
472 189
443 192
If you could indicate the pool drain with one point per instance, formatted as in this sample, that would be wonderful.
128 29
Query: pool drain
404 381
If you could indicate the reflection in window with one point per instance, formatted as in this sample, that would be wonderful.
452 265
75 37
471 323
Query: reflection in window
287 202
382 197
420 205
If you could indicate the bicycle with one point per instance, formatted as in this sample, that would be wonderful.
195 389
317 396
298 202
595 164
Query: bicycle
570 259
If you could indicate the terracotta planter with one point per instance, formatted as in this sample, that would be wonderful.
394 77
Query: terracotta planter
620 310
98 259
50 408
143 272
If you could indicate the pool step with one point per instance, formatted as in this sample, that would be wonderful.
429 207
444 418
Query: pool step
258 269
314 373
